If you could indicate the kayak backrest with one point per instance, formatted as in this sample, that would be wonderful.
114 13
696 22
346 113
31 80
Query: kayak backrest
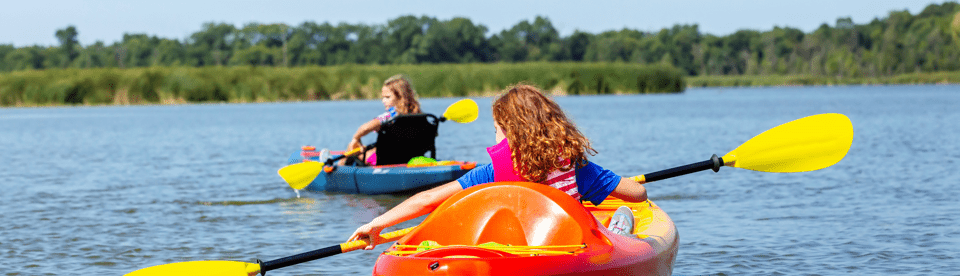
514 213
405 137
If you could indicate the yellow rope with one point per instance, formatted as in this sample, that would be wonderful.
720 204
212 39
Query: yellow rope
516 250
540 250
616 203
577 246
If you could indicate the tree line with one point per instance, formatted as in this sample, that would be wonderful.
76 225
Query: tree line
899 43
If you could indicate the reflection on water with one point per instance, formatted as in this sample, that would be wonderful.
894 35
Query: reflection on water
308 212
301 213
282 201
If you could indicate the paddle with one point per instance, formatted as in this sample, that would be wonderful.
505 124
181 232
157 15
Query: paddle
806 144
224 268
300 175
462 111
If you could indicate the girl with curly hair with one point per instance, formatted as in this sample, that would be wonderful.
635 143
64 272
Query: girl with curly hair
536 142
398 98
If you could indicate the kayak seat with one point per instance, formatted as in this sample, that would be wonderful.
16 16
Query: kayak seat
513 213
405 137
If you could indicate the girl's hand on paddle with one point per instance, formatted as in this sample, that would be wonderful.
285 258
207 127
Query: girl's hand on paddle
369 233
355 143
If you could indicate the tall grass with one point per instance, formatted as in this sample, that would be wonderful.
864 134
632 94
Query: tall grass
267 84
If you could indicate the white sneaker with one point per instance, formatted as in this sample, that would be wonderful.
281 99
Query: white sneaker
622 221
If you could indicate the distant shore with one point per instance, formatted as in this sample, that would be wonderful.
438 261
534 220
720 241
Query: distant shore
184 85
947 77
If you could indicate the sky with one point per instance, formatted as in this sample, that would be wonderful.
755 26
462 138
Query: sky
25 23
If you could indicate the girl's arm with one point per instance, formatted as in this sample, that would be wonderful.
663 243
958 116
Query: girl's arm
372 125
630 191
420 204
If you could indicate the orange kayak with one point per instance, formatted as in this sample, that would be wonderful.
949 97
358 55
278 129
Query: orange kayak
518 228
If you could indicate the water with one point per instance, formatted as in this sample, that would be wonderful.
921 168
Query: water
109 190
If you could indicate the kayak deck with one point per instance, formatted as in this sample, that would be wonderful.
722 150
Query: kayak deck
531 229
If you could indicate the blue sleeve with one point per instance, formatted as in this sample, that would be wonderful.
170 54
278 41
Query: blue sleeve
595 183
480 175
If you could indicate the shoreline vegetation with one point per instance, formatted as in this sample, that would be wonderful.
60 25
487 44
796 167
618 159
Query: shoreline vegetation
244 84
260 62
247 84
919 78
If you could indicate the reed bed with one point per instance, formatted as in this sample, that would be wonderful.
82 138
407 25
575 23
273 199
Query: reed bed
174 85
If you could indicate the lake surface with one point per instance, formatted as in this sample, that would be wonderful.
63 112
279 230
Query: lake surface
109 190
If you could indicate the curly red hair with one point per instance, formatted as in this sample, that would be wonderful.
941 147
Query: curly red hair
542 139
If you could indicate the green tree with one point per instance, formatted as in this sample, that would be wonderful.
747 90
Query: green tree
455 41
169 52
68 44
25 58
5 49
624 45
139 50
576 45
402 37
212 45
900 43
98 55
528 41
270 41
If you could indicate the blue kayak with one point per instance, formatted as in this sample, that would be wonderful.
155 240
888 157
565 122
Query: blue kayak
384 179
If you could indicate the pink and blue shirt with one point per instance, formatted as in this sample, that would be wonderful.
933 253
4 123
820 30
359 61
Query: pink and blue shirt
386 116
590 182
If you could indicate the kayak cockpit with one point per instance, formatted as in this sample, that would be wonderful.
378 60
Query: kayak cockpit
512 214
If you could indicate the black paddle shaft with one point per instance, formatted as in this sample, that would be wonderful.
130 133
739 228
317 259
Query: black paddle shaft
338 157
714 163
299 258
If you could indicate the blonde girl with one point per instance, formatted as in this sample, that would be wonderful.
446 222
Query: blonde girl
398 98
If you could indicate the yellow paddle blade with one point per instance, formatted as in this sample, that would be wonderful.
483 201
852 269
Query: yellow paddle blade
352 152
200 268
462 111
806 144
299 175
